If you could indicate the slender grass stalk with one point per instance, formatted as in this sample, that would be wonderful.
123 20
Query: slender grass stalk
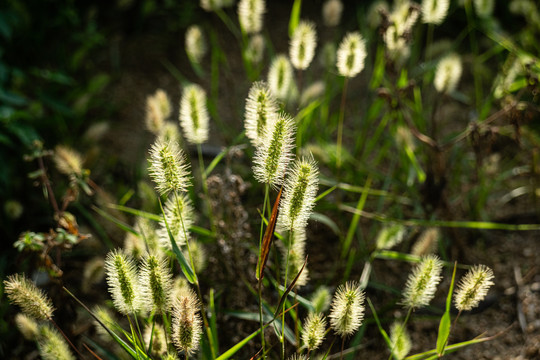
261 318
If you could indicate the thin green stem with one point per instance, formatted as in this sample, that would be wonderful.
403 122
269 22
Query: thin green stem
282 339
261 318
340 124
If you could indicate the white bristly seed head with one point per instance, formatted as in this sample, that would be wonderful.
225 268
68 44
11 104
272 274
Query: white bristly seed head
434 11
179 215
331 12
251 15
52 346
422 282
168 167
123 282
448 74
255 49
473 287
33 302
303 44
156 284
273 154
280 77
347 310
195 44
28 326
351 55
194 116
314 329
299 195
186 323
261 110
401 341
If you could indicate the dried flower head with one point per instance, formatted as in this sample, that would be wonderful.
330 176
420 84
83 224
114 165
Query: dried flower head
273 154
68 161
303 44
427 242
156 284
251 14
179 215
261 110
186 326
351 55
400 340
123 282
196 46
168 167
473 287
347 310
33 302
484 8
280 77
52 345
299 195
448 74
422 283
157 334
255 49
390 236
320 299
314 329
373 16
434 11
194 116
331 12
28 326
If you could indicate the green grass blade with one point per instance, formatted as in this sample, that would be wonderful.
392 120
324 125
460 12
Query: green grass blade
445 324
122 225
356 219
233 350
381 329
135 212
295 16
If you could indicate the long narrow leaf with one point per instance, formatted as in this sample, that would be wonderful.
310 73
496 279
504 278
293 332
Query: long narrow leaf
445 325
122 225
267 239
289 288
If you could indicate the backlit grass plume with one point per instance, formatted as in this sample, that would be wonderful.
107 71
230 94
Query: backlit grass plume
251 15
168 167
299 195
68 161
273 154
178 211
52 345
400 340
448 73
261 110
422 282
186 326
314 329
347 310
123 282
331 12
156 284
194 116
351 55
321 299
33 302
294 257
157 334
473 287
303 44
434 11
28 326
254 51
280 77
158 109
195 43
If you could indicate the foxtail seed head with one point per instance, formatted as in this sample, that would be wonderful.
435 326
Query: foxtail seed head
303 44
294 256
347 310
255 49
68 161
434 11
422 283
179 215
299 195
280 77
400 340
250 15
195 43
157 334
473 287
33 302
448 74
168 167
331 12
187 327
194 116
427 242
123 282
52 345
28 326
158 109
273 154
351 55
261 111
320 299
156 284
314 328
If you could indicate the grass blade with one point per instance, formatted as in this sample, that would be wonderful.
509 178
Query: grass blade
445 325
